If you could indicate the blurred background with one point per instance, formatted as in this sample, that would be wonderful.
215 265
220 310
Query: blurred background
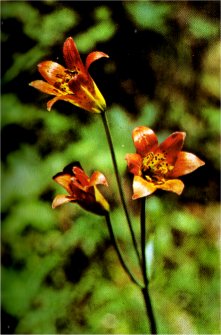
60 273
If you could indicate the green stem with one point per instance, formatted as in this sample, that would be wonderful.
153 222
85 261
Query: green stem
115 244
110 142
145 290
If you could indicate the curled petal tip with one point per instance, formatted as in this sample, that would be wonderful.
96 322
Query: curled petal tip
135 196
93 56
59 200
49 105
43 65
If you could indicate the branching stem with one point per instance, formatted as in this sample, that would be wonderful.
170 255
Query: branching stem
142 260
117 248
113 156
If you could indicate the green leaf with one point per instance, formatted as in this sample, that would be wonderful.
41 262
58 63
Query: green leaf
149 15
201 27
185 222
101 32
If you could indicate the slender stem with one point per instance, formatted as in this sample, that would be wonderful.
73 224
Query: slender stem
110 142
143 240
145 290
149 309
142 261
115 244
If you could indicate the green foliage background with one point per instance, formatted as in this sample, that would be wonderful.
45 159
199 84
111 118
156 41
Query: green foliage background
60 273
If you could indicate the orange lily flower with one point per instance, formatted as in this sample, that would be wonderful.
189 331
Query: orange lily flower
74 83
82 190
156 166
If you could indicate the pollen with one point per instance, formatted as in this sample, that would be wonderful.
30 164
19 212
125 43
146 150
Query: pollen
155 167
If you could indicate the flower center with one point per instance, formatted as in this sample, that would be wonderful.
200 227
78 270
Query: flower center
64 79
155 167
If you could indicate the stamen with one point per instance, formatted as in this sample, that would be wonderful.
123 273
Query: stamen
155 167
62 83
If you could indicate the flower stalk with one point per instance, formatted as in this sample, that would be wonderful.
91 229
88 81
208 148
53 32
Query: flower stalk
145 289
118 251
113 156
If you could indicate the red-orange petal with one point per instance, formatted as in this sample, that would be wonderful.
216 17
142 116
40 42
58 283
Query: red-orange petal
134 163
172 185
80 100
186 163
64 180
51 102
93 56
142 188
69 98
98 178
61 199
71 56
51 71
172 146
44 87
144 139
81 176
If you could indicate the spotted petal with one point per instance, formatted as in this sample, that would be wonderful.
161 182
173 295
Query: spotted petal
81 176
186 163
75 100
144 139
51 71
45 87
